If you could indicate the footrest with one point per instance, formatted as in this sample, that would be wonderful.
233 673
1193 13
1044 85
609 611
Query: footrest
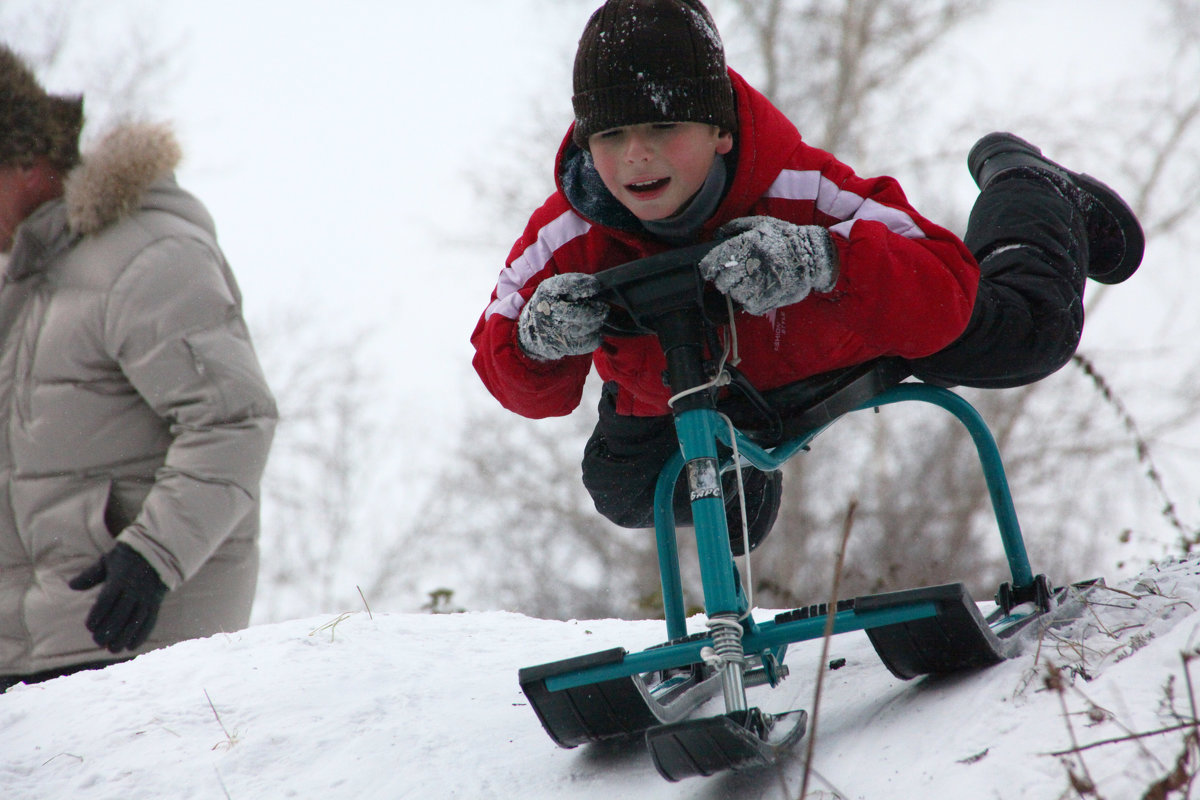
735 741
956 638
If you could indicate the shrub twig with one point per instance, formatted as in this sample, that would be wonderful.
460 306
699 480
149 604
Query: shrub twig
1081 783
1189 537
366 605
331 626
230 740
830 615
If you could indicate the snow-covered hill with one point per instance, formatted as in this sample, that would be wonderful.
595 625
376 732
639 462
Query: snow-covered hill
413 706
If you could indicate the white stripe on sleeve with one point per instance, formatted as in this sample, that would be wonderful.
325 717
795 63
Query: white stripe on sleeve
847 206
554 235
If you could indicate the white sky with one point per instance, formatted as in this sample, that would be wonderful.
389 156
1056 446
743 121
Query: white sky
333 143
332 140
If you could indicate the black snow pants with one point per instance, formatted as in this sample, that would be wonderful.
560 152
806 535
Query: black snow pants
1031 244
624 455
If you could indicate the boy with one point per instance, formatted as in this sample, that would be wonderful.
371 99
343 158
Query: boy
670 147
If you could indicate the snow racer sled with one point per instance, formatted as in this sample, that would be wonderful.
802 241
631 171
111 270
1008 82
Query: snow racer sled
650 694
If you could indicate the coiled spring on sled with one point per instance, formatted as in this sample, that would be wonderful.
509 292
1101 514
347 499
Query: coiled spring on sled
727 642
726 656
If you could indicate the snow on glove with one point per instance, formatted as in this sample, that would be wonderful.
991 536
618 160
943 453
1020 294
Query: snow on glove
766 263
562 318
127 608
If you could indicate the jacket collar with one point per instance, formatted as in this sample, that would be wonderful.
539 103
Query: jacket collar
110 183
42 236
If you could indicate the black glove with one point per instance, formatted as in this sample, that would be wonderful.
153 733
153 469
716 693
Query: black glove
768 263
127 608
562 318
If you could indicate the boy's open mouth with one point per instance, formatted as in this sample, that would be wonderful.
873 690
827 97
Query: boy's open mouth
647 186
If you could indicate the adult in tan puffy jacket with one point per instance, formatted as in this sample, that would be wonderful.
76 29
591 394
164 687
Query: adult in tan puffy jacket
134 418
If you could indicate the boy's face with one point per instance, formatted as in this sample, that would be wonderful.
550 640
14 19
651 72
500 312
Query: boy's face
654 169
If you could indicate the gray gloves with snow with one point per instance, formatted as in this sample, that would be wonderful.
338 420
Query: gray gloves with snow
763 264
767 263
562 318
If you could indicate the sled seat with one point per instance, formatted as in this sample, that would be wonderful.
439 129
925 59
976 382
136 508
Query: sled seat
772 416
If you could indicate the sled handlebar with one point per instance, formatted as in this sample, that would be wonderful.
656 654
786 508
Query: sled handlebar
644 291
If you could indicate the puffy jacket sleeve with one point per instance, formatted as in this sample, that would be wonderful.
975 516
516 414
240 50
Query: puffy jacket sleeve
907 285
174 325
555 236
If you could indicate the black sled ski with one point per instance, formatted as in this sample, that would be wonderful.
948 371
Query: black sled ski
616 708
737 740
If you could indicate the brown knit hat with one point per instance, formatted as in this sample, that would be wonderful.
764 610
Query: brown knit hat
33 122
650 61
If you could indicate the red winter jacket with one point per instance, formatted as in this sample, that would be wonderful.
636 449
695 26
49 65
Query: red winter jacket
905 286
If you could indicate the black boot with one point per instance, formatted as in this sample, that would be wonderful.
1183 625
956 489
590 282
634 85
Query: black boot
1115 239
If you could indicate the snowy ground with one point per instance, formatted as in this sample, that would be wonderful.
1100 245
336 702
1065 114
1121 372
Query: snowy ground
427 706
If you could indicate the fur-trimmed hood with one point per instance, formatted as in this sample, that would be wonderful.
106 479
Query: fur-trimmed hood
114 176
130 170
